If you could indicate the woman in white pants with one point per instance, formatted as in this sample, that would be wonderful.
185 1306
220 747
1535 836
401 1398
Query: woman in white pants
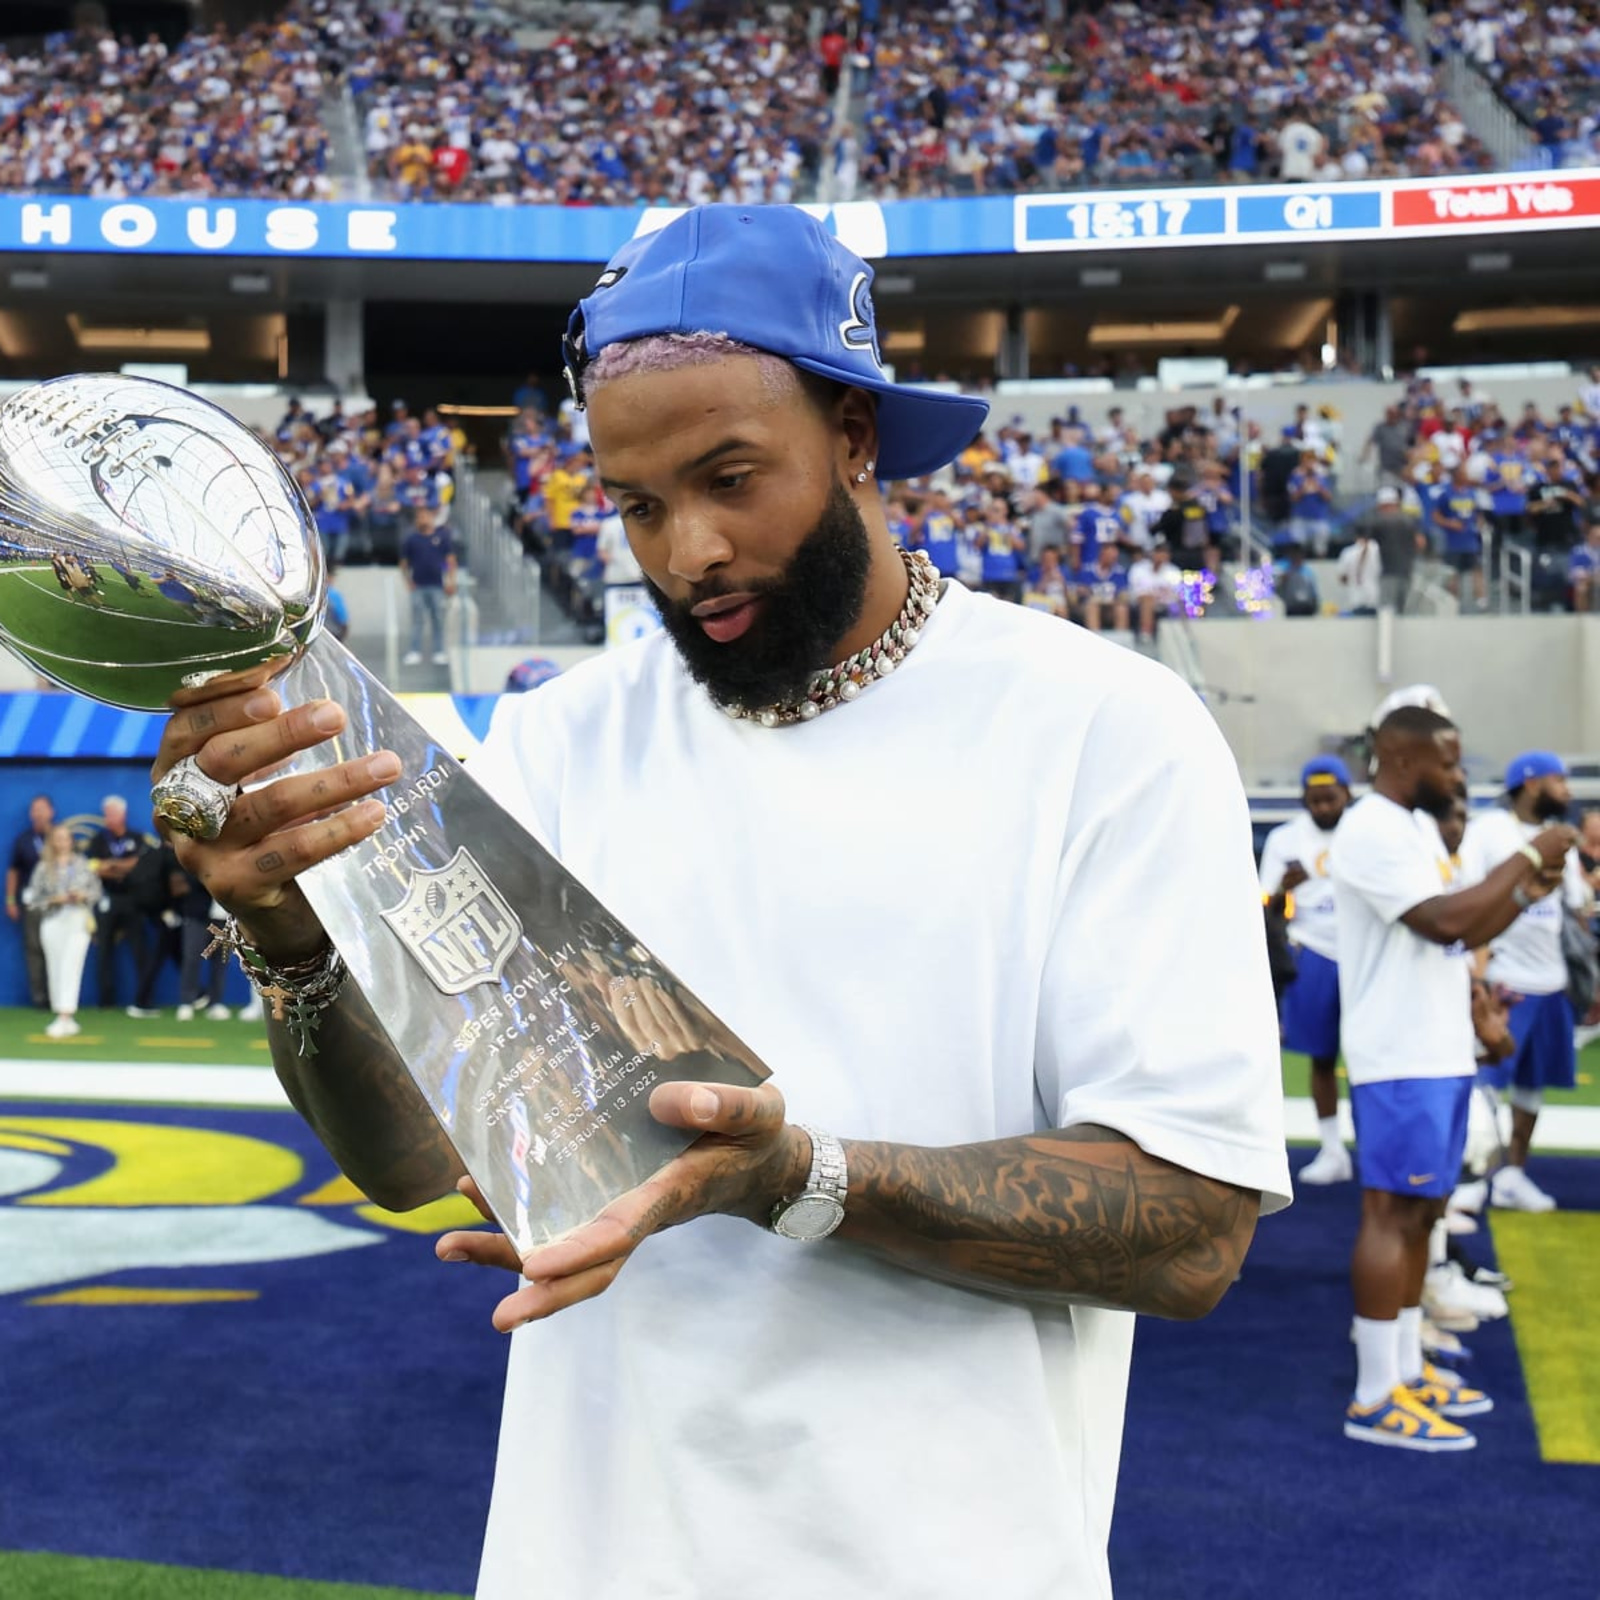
64 887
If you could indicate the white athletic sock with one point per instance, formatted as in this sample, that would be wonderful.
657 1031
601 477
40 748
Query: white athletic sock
1328 1132
1410 1342
1438 1245
1377 1360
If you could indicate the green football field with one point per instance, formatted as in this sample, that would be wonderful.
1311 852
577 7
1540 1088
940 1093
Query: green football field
1297 1078
47 1577
111 1036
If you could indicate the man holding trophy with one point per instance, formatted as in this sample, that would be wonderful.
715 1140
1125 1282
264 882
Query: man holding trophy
881 1348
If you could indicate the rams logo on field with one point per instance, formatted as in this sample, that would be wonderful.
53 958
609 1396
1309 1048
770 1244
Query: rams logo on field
85 1198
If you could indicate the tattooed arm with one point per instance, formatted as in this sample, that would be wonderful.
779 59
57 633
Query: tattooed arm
1081 1215
365 1107
355 1092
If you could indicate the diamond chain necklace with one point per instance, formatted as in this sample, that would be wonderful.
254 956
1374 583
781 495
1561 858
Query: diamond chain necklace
838 685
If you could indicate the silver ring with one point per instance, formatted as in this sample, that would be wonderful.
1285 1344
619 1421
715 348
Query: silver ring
191 802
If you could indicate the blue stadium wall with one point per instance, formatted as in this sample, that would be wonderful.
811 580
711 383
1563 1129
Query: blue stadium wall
78 751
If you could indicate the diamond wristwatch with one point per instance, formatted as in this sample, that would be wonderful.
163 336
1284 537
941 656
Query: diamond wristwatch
819 1208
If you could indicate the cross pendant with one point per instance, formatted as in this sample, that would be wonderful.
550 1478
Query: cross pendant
277 994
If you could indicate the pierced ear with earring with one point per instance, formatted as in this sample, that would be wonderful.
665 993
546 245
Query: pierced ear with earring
861 477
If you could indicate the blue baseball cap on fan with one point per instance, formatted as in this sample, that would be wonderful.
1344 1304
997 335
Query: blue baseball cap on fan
1534 764
774 278
1324 769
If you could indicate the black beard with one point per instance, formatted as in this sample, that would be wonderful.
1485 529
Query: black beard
1546 808
1438 803
809 608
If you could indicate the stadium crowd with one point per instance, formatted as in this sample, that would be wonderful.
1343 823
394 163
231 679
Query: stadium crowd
217 114
693 114
961 99
964 102
1115 526
1543 60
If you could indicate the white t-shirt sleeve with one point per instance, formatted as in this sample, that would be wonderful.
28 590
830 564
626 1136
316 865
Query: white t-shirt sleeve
1491 837
1384 860
1156 1014
1274 860
518 764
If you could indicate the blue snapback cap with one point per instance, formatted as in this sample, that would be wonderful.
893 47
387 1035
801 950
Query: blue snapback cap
1534 764
774 278
1330 769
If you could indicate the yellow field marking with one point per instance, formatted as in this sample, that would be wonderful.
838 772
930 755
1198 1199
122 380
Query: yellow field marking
160 1165
115 1295
452 1211
1548 1256
337 1191
32 1141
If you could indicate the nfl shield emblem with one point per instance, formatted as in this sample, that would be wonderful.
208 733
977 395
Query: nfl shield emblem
456 925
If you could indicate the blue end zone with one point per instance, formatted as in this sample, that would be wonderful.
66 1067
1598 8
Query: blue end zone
340 1426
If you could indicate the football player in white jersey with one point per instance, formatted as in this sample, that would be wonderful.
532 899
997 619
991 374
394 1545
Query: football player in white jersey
1295 883
1527 966
1407 1037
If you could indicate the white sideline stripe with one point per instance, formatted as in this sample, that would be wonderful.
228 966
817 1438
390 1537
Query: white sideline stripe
188 1083
142 1082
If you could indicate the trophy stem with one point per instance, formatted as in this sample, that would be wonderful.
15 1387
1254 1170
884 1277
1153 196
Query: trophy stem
518 1003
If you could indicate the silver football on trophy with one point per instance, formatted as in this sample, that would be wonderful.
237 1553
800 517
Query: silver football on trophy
149 541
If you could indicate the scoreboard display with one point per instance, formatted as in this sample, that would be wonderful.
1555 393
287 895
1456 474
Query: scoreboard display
1084 221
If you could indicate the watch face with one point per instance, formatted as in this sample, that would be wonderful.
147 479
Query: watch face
812 1216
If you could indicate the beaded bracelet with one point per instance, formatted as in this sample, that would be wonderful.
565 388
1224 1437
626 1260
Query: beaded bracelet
298 993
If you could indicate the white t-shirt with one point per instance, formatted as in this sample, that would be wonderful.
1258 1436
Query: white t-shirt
1360 566
1164 582
918 909
1300 147
1527 957
1405 1002
1315 922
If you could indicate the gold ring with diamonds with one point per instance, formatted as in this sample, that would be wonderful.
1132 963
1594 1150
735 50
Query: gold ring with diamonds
191 802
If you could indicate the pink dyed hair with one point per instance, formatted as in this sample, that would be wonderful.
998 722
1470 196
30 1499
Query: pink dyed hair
672 352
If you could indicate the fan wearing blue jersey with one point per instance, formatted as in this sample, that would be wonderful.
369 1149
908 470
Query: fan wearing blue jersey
1296 883
1310 505
1098 524
1102 590
1406 1031
1455 515
937 537
1527 965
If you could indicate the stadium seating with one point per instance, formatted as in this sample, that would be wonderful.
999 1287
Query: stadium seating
958 100
226 114
1160 92
1544 61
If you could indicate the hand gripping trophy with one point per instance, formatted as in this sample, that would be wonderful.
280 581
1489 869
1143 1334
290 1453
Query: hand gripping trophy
151 545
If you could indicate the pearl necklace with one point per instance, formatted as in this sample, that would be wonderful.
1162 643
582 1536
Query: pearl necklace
838 685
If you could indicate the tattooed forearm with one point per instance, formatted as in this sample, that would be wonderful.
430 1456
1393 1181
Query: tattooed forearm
362 1104
1082 1215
